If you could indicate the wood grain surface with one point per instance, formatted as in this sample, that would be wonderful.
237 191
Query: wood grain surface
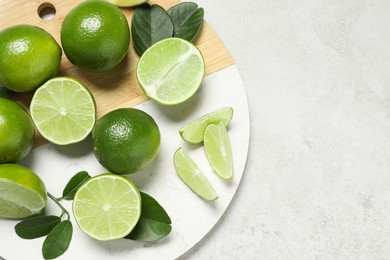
117 87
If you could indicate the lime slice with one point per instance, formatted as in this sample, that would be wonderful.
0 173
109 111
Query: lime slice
127 3
194 132
218 150
191 175
107 207
63 110
171 71
22 192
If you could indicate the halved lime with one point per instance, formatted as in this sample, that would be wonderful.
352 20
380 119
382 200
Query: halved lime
191 175
194 132
107 207
171 71
127 3
64 110
219 153
22 192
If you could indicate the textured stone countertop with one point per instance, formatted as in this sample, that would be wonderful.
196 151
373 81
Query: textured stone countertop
317 179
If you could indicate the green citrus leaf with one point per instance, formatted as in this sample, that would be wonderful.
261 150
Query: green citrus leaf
154 223
187 20
149 25
74 183
36 227
58 240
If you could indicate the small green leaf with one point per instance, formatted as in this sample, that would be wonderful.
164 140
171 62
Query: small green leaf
149 25
154 223
58 240
36 227
74 183
4 92
187 20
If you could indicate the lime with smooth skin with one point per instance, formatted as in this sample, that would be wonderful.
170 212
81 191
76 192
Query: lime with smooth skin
28 57
95 35
126 140
16 131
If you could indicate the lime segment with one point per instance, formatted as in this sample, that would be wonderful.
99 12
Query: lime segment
171 71
194 132
22 192
218 150
191 175
127 3
107 207
63 110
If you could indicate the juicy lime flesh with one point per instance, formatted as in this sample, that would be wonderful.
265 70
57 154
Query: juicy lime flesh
194 132
127 3
28 57
171 71
218 150
126 140
63 110
16 131
192 176
107 207
22 192
95 35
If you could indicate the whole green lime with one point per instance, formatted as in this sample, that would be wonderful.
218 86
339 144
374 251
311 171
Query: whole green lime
16 131
95 35
28 57
126 140
22 192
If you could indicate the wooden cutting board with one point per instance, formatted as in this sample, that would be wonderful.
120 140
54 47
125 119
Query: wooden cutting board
115 88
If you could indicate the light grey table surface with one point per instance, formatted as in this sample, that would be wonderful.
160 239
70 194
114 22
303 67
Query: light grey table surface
317 180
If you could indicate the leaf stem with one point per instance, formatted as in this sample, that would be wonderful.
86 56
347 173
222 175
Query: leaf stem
64 211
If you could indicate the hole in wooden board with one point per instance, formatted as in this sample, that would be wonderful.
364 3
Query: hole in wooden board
46 11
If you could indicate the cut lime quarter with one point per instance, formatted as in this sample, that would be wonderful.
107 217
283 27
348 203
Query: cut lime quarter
64 110
218 150
194 132
107 207
171 71
191 175
22 192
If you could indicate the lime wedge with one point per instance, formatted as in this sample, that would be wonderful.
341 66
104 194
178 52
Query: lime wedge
107 207
191 175
22 192
63 110
194 132
171 71
218 150
127 3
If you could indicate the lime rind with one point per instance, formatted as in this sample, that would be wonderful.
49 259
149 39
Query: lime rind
192 176
127 3
171 71
107 207
194 132
18 201
64 110
218 150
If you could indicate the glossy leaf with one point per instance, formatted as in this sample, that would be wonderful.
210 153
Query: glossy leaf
187 20
58 240
154 223
74 183
36 227
149 25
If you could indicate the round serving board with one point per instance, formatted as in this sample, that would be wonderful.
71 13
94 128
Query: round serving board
192 217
